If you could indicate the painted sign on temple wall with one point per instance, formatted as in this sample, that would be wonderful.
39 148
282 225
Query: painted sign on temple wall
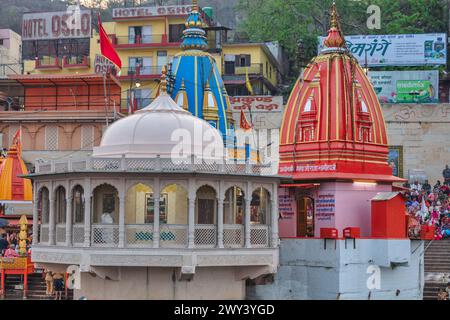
68 24
325 206
265 112
397 49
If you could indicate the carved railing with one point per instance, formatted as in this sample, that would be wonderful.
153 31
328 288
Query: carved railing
148 165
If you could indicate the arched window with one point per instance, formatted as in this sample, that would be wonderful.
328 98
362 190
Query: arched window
206 206
259 206
78 205
43 205
234 206
60 205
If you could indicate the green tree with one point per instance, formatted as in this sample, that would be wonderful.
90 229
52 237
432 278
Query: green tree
288 21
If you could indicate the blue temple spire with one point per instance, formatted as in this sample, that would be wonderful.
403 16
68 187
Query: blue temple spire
194 37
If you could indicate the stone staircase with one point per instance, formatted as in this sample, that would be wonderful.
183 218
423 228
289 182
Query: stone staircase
437 268
36 288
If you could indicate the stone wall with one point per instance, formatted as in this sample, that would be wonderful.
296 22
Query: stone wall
343 270
424 133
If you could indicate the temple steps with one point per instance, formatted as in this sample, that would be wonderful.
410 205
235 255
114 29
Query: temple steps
437 268
36 288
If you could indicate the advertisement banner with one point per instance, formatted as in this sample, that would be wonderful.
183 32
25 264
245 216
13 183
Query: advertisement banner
140 12
103 65
70 24
406 86
397 49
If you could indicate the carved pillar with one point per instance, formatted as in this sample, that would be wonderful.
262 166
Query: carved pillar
191 214
122 215
156 222
87 212
220 201
35 214
248 199
51 222
68 218
274 216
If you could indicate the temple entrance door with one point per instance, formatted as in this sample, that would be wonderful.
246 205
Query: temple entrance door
305 217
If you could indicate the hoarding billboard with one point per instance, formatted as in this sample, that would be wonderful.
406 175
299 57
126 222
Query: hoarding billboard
406 86
141 12
70 24
397 49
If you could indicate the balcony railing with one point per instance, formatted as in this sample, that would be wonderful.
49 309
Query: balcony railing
143 165
49 63
76 62
141 72
143 41
170 236
253 69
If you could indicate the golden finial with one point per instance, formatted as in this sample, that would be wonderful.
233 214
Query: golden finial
23 222
195 5
335 37
334 16
163 83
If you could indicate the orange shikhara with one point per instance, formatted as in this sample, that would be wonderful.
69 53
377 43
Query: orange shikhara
13 187
333 125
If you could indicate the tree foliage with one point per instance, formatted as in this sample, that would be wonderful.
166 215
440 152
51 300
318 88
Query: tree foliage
288 21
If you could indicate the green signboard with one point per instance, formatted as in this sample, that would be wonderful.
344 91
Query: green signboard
414 91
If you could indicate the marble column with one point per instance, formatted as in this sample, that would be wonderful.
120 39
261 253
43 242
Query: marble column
122 216
156 220
191 213
274 216
220 201
248 199
52 219
68 218
35 215
87 212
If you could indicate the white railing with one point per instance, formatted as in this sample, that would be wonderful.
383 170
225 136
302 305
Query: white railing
173 236
44 236
105 235
205 236
259 236
61 234
233 236
140 236
146 165
78 235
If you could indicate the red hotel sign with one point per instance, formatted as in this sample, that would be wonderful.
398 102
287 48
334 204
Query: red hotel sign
56 25
124 13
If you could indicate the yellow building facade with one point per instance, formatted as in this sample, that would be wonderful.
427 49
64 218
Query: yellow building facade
146 43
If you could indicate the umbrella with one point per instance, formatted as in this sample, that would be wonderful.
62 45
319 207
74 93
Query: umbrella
3 223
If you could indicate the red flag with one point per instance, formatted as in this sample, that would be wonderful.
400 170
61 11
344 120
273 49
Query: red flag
245 125
107 47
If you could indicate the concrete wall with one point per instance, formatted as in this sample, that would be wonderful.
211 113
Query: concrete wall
309 271
163 284
423 132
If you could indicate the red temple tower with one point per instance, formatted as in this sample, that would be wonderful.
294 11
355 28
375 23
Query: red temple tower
333 143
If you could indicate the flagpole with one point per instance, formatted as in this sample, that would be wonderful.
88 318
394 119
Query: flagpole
106 99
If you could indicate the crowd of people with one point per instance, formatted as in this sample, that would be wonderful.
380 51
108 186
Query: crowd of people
9 244
429 205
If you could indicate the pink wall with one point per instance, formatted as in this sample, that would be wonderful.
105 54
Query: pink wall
337 205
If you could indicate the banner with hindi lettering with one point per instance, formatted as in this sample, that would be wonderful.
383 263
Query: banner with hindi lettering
397 49
416 86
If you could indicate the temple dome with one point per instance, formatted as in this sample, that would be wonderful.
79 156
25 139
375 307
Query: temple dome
333 125
194 72
163 128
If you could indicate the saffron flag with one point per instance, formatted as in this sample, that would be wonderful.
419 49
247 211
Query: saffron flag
245 125
107 47
248 83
